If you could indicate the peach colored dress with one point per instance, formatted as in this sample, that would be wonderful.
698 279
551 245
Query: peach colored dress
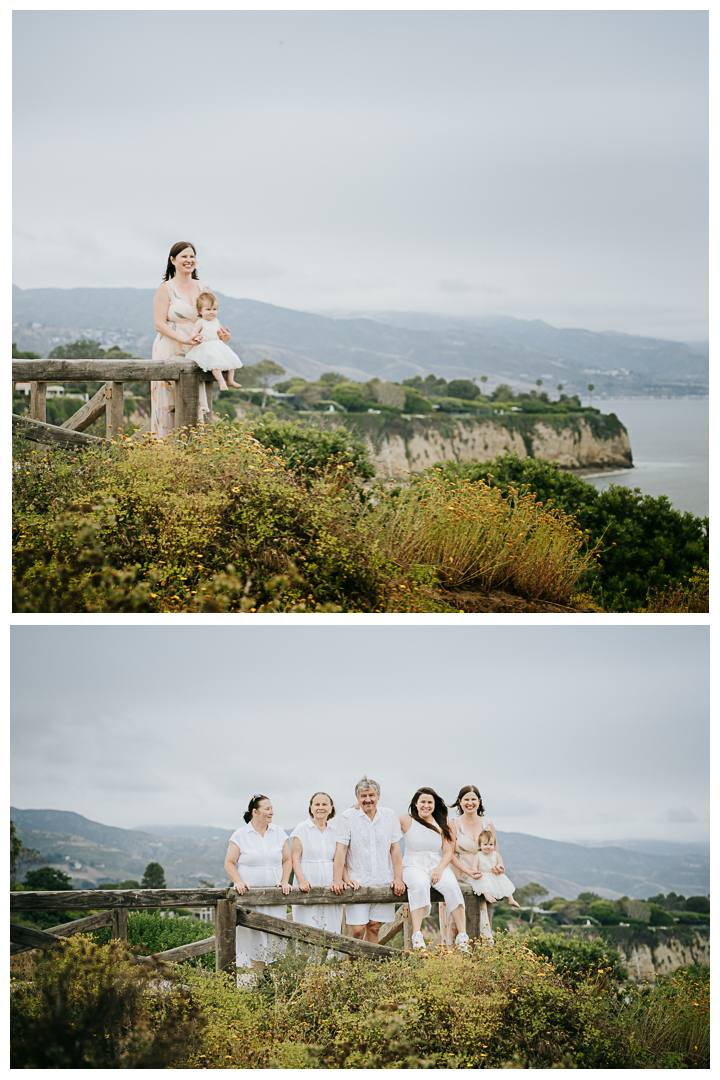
182 314
465 849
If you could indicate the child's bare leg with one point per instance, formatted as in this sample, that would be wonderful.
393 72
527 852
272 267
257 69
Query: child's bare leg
490 898
217 374
512 901
231 380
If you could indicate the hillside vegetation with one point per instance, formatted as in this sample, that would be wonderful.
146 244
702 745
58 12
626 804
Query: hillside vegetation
273 515
504 1006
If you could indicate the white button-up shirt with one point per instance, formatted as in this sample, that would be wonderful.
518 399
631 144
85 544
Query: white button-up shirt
368 856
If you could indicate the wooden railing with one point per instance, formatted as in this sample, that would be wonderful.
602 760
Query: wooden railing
231 910
109 400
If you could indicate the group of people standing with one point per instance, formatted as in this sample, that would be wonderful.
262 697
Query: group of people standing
361 847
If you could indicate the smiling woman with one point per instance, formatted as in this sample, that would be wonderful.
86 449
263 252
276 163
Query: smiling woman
175 313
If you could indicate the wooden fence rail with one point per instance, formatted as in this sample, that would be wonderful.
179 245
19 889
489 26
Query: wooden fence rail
109 400
231 910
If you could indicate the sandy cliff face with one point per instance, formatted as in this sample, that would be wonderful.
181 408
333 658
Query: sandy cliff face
573 446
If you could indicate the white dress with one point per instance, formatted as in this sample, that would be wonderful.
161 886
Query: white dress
423 852
259 866
498 885
212 352
318 852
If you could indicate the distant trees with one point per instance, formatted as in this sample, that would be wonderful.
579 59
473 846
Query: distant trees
47 879
21 857
463 388
129 884
87 349
260 374
16 355
531 894
591 387
154 877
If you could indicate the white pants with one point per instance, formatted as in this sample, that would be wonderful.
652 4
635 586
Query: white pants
418 887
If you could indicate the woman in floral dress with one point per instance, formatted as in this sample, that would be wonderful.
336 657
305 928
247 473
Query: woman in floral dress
175 311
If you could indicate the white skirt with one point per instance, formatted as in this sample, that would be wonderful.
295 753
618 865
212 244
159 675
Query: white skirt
320 916
498 885
257 944
214 354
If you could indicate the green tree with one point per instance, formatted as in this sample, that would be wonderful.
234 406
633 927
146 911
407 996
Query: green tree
84 349
591 387
47 879
463 388
560 388
502 392
538 382
21 857
16 355
531 894
154 877
261 374
129 884
483 380
700 904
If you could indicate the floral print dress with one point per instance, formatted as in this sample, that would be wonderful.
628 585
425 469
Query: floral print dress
182 315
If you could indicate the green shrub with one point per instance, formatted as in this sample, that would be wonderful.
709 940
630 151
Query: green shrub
660 917
307 448
416 403
97 1007
605 912
152 933
576 958
647 548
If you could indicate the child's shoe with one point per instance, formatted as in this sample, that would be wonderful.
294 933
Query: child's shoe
418 941
462 942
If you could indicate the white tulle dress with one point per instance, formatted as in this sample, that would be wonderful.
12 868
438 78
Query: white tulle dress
212 352
497 885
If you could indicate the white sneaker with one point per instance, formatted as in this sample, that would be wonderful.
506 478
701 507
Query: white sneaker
418 941
462 942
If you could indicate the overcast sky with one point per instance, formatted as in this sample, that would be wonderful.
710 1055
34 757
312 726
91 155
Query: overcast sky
540 164
570 733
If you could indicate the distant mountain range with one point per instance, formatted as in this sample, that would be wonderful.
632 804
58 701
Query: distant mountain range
93 854
390 345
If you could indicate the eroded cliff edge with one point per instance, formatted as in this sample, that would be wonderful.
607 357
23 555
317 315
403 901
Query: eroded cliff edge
574 441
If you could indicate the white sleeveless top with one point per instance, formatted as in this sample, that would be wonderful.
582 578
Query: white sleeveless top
423 847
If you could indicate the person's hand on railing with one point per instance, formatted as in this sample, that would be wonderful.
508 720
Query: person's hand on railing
240 887
285 886
353 883
398 887
303 885
338 886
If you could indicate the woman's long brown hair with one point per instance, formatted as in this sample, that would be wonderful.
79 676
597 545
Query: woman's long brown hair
439 814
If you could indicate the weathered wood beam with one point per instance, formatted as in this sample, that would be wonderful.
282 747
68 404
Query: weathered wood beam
138 899
187 400
119 917
388 930
51 433
187 952
38 401
114 410
32 939
225 935
101 899
88 413
100 370
77 926
255 920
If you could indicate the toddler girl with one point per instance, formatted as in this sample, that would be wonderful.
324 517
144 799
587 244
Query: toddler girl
492 886
212 354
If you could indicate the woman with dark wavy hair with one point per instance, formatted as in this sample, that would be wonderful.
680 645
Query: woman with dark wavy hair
429 848
175 313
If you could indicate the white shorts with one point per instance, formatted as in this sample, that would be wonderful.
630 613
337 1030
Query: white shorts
361 914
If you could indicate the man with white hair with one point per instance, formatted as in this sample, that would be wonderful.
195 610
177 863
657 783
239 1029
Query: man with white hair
368 838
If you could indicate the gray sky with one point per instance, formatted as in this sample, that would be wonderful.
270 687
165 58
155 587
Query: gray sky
540 164
569 732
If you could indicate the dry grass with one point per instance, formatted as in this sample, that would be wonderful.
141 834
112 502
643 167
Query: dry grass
470 534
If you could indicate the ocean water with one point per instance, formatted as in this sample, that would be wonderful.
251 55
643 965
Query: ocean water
669 438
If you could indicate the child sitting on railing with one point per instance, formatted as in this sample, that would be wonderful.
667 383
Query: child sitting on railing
492 886
210 353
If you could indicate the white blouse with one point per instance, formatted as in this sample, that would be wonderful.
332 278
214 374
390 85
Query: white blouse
317 847
259 850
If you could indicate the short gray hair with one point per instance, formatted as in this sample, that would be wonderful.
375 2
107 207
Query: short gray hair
364 784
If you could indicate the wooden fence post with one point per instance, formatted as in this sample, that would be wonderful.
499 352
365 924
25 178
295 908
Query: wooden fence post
225 936
472 915
407 929
38 399
113 410
187 400
118 929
